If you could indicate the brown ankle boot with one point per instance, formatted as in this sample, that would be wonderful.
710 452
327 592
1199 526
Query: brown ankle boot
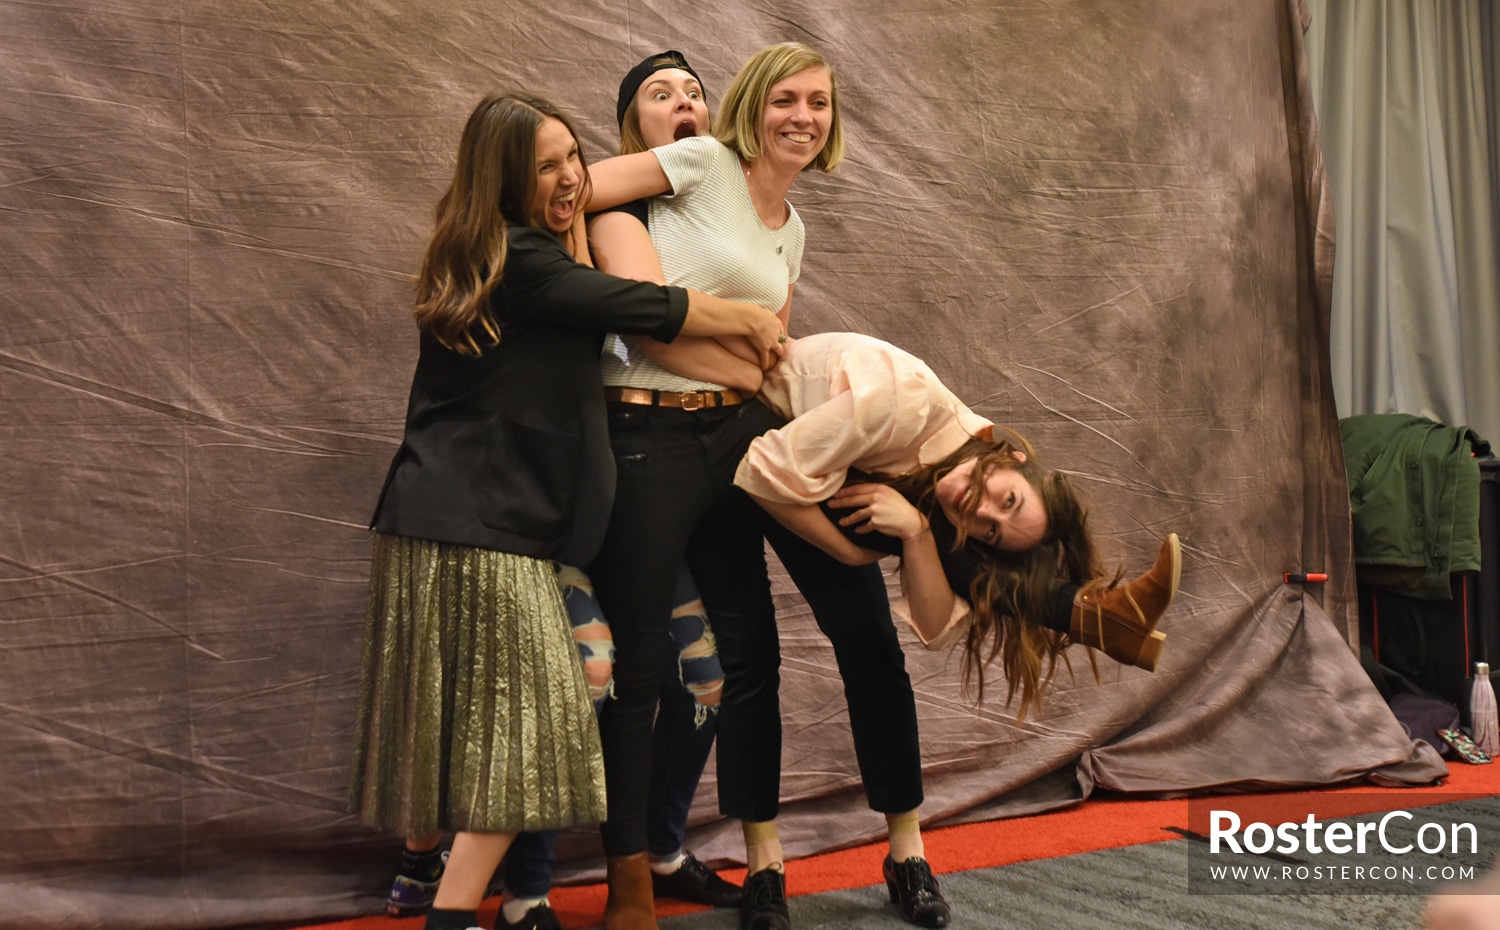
1121 621
631 905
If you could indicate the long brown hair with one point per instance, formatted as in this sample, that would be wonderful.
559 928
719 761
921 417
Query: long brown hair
492 188
1013 589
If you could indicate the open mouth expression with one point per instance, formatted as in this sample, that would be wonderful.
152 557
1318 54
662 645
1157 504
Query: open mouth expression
670 106
559 174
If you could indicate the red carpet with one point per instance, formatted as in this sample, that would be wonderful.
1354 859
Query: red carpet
1095 824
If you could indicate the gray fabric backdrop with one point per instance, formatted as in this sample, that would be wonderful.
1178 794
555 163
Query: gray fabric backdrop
1103 223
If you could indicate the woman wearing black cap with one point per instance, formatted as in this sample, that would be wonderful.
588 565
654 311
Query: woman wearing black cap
662 100
725 224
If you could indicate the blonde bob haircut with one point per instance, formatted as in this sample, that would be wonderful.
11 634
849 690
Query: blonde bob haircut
738 122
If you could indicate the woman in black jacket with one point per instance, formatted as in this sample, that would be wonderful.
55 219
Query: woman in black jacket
474 714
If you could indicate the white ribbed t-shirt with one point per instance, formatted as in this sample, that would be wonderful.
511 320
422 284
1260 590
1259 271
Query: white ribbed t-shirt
710 239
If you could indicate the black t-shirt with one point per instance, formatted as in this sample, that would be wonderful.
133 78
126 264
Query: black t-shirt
640 209
961 567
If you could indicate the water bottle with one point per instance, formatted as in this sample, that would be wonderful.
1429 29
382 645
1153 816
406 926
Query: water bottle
1482 710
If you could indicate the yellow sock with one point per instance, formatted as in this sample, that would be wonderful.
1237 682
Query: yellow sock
905 836
762 845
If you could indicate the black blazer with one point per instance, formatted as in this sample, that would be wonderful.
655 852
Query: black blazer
510 450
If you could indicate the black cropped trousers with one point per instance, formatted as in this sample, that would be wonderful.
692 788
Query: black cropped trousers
675 499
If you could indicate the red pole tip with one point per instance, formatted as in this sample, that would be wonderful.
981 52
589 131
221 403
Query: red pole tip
1305 578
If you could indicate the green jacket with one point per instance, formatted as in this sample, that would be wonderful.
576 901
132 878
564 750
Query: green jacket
1414 496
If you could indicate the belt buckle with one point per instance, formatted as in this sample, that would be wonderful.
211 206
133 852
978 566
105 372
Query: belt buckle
692 400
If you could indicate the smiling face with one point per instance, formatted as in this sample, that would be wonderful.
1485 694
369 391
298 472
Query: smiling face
670 106
559 175
796 118
1010 514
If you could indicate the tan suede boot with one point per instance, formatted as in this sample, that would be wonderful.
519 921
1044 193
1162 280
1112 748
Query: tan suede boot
631 904
1121 621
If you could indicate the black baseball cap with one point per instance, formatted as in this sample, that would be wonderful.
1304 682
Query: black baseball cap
649 65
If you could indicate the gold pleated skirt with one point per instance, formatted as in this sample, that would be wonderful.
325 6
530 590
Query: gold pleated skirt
474 713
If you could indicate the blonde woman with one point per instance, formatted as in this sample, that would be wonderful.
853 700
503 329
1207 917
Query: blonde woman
679 426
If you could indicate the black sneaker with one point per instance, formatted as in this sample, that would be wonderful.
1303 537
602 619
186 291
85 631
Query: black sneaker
410 896
763 906
541 917
693 881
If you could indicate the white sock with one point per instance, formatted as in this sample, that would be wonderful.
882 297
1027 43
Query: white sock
668 864
516 908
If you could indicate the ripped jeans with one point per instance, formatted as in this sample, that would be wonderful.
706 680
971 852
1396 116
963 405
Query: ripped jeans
697 666
680 742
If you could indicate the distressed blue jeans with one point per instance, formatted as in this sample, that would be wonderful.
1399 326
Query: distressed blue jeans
691 686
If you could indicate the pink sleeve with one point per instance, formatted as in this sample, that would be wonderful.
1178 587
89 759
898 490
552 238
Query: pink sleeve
951 634
806 461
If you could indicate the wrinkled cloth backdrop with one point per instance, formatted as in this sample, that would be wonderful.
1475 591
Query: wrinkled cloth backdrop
1103 223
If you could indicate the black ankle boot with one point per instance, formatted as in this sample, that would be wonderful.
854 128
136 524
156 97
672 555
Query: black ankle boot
913 887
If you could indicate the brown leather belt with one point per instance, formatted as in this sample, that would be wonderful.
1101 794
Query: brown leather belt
685 400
